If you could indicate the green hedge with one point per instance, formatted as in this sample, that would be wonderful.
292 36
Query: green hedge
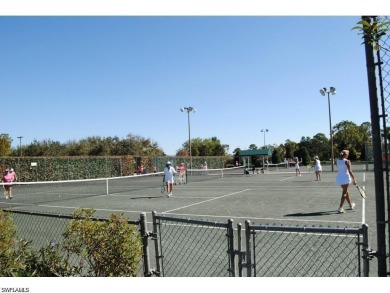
63 168
31 169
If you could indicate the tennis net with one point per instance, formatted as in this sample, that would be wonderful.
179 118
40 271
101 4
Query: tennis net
54 191
48 191
195 175
271 168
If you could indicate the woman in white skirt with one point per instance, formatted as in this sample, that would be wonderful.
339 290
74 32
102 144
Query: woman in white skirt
297 171
344 178
317 168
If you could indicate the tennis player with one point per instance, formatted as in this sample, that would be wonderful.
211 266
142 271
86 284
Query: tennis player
182 173
317 168
297 171
8 178
169 173
343 178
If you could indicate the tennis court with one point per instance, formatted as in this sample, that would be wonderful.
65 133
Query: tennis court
275 197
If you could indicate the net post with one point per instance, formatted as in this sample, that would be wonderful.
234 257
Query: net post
107 191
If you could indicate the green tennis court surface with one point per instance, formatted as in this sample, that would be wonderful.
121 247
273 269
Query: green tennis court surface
274 197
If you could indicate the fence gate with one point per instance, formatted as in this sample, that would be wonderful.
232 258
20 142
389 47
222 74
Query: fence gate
193 248
278 251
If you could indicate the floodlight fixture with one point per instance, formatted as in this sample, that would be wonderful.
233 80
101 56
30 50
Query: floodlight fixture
20 144
323 91
188 110
264 131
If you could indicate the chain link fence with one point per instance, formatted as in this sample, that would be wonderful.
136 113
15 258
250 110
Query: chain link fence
188 247
383 61
285 251
376 32
193 248
200 248
383 57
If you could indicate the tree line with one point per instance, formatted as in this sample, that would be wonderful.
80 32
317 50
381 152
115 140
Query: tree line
133 145
346 135
91 146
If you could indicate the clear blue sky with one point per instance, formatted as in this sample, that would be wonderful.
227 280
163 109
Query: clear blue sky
68 78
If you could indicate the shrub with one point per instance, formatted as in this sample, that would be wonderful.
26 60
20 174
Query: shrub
10 261
107 248
14 253
50 261
8 233
104 248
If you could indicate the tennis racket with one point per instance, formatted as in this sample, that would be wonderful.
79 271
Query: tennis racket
163 187
361 191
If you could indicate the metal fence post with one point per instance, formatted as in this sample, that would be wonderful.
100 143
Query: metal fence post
248 249
366 252
231 252
239 248
377 153
157 248
145 243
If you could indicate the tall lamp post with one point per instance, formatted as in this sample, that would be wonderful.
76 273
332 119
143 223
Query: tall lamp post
323 92
188 110
264 130
20 144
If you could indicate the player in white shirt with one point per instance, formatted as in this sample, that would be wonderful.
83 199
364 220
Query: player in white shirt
169 173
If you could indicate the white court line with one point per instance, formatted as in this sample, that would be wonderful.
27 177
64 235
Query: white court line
363 211
193 197
287 178
102 210
207 200
203 216
16 203
73 208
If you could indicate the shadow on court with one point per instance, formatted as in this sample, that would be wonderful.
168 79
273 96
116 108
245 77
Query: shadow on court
146 197
314 214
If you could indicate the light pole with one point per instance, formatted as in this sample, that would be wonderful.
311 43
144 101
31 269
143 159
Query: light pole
20 144
332 91
264 130
188 110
